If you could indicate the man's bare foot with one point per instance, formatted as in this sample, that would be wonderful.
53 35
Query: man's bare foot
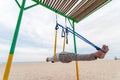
100 54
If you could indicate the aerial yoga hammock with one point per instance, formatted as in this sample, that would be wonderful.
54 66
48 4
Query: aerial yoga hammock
64 34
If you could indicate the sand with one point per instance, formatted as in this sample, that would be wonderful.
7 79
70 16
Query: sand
88 70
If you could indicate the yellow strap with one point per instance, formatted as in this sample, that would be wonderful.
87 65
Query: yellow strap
55 46
64 41
8 66
64 44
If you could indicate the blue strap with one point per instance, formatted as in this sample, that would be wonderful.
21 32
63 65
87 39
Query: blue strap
82 38
66 36
56 27
63 33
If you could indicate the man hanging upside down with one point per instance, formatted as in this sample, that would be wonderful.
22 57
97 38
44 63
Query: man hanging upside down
66 57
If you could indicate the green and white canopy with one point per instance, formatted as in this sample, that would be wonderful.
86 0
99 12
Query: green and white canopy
73 9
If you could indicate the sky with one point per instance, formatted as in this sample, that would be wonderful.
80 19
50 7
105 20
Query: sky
36 36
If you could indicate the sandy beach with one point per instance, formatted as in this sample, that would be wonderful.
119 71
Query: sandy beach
88 70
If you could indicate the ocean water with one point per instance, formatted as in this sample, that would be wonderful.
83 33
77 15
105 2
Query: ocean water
2 63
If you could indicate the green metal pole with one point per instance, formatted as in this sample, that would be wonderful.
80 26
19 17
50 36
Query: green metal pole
12 49
75 50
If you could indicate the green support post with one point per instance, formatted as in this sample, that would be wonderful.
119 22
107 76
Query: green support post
12 49
75 50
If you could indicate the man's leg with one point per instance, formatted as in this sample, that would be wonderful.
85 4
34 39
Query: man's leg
66 57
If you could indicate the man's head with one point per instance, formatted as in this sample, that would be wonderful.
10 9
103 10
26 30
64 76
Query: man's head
48 59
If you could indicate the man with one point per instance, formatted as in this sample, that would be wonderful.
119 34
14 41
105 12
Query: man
66 57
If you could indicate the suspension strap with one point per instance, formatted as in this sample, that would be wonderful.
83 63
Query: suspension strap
55 40
64 37
63 32
55 46
82 38
64 43
67 35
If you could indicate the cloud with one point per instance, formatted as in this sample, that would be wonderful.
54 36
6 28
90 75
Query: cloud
36 35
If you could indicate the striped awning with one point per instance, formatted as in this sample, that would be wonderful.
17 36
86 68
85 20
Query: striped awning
73 9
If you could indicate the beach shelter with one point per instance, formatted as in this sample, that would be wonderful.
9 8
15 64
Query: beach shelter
74 10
